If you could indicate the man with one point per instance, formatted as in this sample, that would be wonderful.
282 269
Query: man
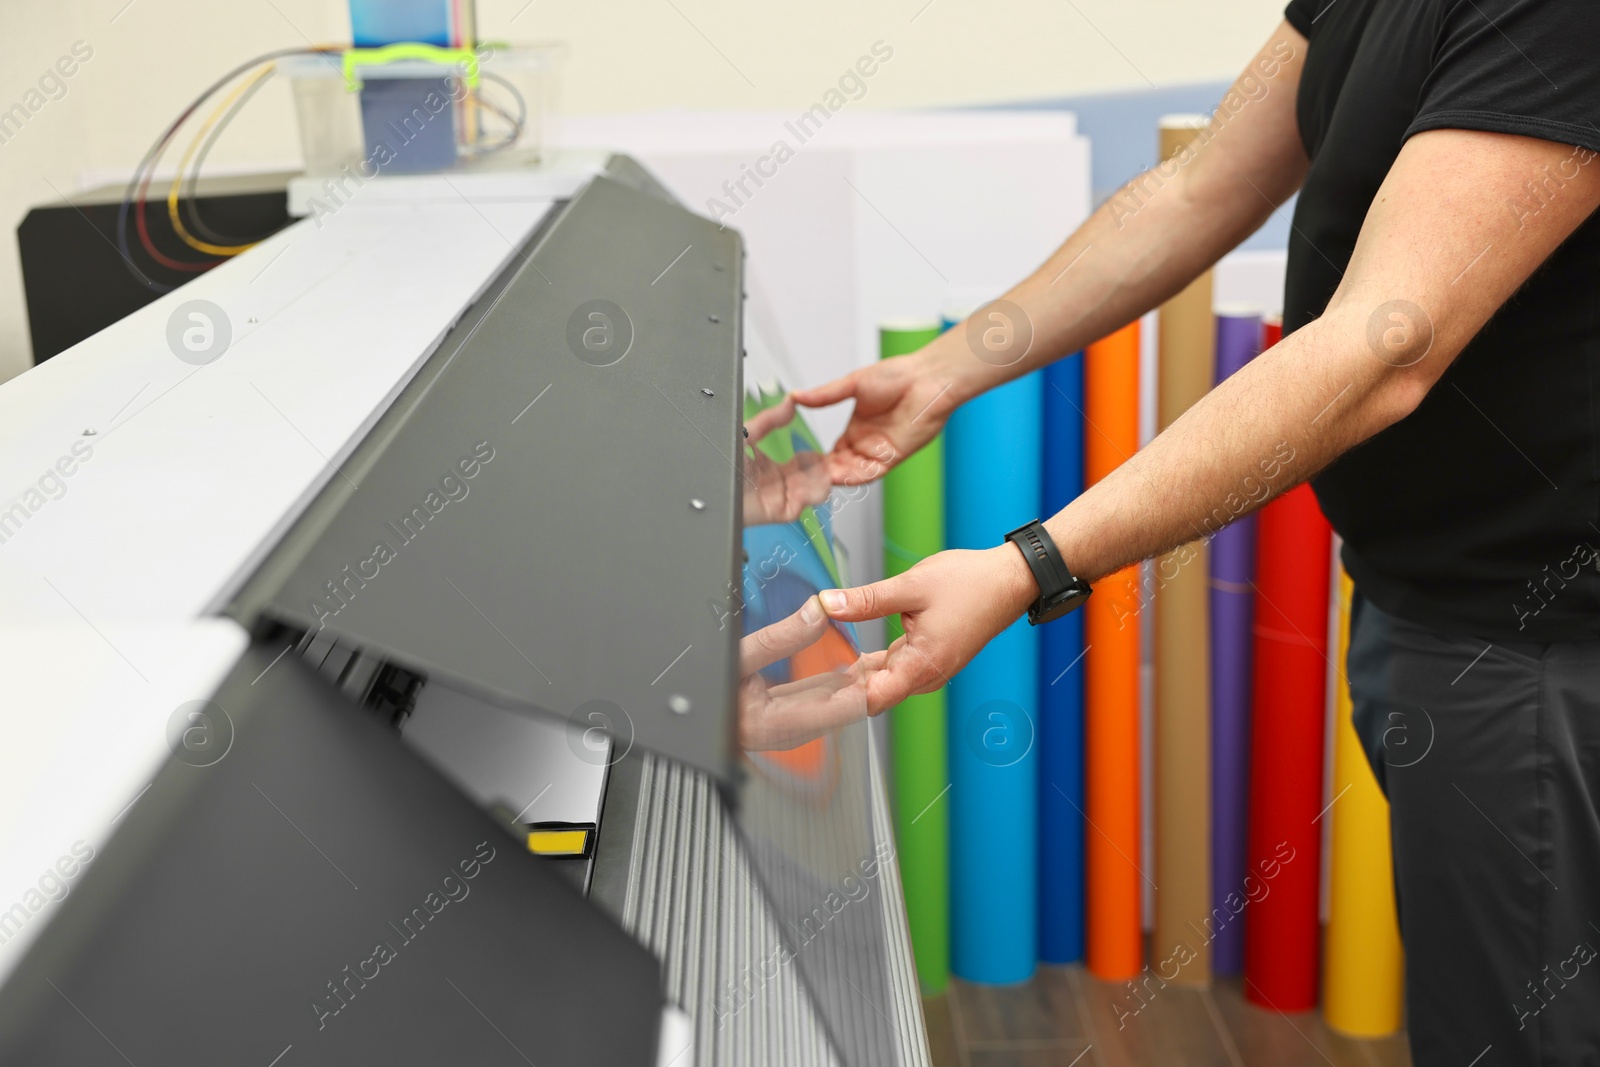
1440 378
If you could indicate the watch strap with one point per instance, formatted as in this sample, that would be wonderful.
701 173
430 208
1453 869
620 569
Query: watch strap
1043 558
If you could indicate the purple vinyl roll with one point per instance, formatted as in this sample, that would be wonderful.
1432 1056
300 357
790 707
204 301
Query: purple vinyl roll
1233 565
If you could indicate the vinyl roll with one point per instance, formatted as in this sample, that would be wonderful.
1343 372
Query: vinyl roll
1287 726
1114 884
913 528
1180 944
1363 978
992 485
1233 560
1061 691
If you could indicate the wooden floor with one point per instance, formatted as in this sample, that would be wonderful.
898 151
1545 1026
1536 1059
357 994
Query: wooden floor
1066 1018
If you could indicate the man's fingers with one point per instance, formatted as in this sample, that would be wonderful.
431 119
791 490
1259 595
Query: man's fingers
857 463
782 639
888 688
905 672
779 414
868 664
824 395
889 597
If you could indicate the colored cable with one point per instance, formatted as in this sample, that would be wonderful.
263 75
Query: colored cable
142 174
516 123
191 207
239 91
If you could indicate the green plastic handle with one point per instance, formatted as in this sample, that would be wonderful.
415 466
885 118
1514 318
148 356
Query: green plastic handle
390 53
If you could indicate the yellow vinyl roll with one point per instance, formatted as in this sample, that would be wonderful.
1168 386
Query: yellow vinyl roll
1363 965
1187 368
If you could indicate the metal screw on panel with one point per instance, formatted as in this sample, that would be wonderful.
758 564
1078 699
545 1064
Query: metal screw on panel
697 504
679 703
712 318
89 433
252 320
707 392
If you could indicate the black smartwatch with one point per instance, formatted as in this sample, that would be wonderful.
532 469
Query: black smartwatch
1059 592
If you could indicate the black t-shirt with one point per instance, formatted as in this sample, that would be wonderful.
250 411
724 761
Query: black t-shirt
1480 512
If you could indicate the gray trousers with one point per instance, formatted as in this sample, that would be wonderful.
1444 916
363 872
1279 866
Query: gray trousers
1490 757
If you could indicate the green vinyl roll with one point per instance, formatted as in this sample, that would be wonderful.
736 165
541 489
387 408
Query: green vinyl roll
913 528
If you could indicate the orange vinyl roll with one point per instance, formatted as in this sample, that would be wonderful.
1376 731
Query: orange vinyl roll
1181 941
1111 694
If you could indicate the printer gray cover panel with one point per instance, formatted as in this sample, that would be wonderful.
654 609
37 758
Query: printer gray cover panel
555 520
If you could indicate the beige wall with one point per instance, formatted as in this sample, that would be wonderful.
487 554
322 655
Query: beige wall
151 56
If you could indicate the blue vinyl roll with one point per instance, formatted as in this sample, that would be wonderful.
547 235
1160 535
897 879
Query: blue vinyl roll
1061 691
992 485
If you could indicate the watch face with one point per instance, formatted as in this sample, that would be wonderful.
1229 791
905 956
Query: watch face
1063 603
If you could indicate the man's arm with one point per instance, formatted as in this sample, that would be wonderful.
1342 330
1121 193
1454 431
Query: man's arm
1136 250
1439 252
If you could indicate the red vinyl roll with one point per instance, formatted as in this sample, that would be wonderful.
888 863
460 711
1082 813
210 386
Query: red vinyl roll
1288 707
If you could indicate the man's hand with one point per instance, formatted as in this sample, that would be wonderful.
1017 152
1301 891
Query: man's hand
786 716
901 405
950 606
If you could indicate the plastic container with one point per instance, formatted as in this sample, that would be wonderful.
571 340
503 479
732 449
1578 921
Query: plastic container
414 115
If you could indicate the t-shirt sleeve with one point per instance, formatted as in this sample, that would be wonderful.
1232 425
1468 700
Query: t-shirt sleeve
1301 14
1529 67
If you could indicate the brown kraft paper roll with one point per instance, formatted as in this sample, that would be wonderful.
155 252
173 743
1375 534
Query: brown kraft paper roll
1182 936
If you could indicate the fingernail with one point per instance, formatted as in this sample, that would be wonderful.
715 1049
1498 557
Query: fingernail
832 600
811 611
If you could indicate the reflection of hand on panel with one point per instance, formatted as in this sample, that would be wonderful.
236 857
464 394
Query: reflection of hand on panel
778 492
788 715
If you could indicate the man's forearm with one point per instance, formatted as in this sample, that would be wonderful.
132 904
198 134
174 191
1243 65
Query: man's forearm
1112 270
1437 255
1164 228
1419 286
1266 429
